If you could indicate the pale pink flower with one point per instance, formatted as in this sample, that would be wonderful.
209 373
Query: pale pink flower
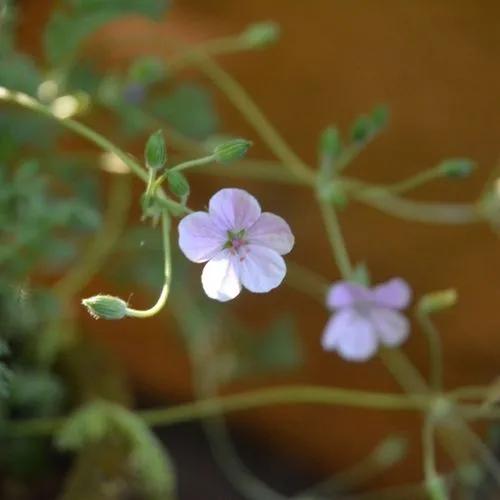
365 317
241 244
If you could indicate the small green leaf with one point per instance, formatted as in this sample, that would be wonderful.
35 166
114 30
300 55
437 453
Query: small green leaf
330 144
189 109
147 70
380 116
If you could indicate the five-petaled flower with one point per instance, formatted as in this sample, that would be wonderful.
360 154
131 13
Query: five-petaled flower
365 317
242 245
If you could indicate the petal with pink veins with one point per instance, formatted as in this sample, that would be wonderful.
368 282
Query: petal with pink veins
273 232
234 209
261 269
199 238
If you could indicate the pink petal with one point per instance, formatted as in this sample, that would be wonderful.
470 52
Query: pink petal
351 334
261 269
199 238
394 293
273 232
346 294
392 327
220 277
234 209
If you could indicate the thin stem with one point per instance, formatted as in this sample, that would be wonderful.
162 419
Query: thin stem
78 128
415 181
291 395
433 483
243 102
435 350
182 166
403 370
336 239
162 299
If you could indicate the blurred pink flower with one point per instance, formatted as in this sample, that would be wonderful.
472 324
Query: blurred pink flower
241 245
365 317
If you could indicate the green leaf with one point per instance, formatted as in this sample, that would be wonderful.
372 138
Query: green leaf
19 72
275 350
67 30
101 419
189 109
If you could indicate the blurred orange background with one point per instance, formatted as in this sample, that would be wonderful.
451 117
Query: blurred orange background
437 66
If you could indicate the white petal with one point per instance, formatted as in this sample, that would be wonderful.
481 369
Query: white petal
199 238
271 231
261 269
234 209
392 327
351 334
394 293
220 277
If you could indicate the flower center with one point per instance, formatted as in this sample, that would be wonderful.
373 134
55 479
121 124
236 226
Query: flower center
235 240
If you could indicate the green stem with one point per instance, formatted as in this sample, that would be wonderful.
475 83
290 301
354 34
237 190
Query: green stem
292 395
162 299
78 128
336 239
243 102
182 166
435 350
415 181
433 483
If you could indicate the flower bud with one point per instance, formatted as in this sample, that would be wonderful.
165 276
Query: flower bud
361 129
231 151
178 184
105 307
155 152
330 143
380 116
458 168
438 301
390 451
261 35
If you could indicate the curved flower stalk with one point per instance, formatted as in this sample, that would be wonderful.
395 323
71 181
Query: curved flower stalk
365 317
241 245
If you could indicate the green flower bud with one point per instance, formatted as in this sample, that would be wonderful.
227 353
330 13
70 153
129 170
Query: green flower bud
438 301
178 184
437 489
105 307
330 144
391 451
380 116
361 129
231 151
155 152
261 35
458 168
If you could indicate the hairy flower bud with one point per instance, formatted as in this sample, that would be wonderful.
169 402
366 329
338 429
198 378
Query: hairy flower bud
105 307
261 35
459 167
438 301
178 184
155 152
231 151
